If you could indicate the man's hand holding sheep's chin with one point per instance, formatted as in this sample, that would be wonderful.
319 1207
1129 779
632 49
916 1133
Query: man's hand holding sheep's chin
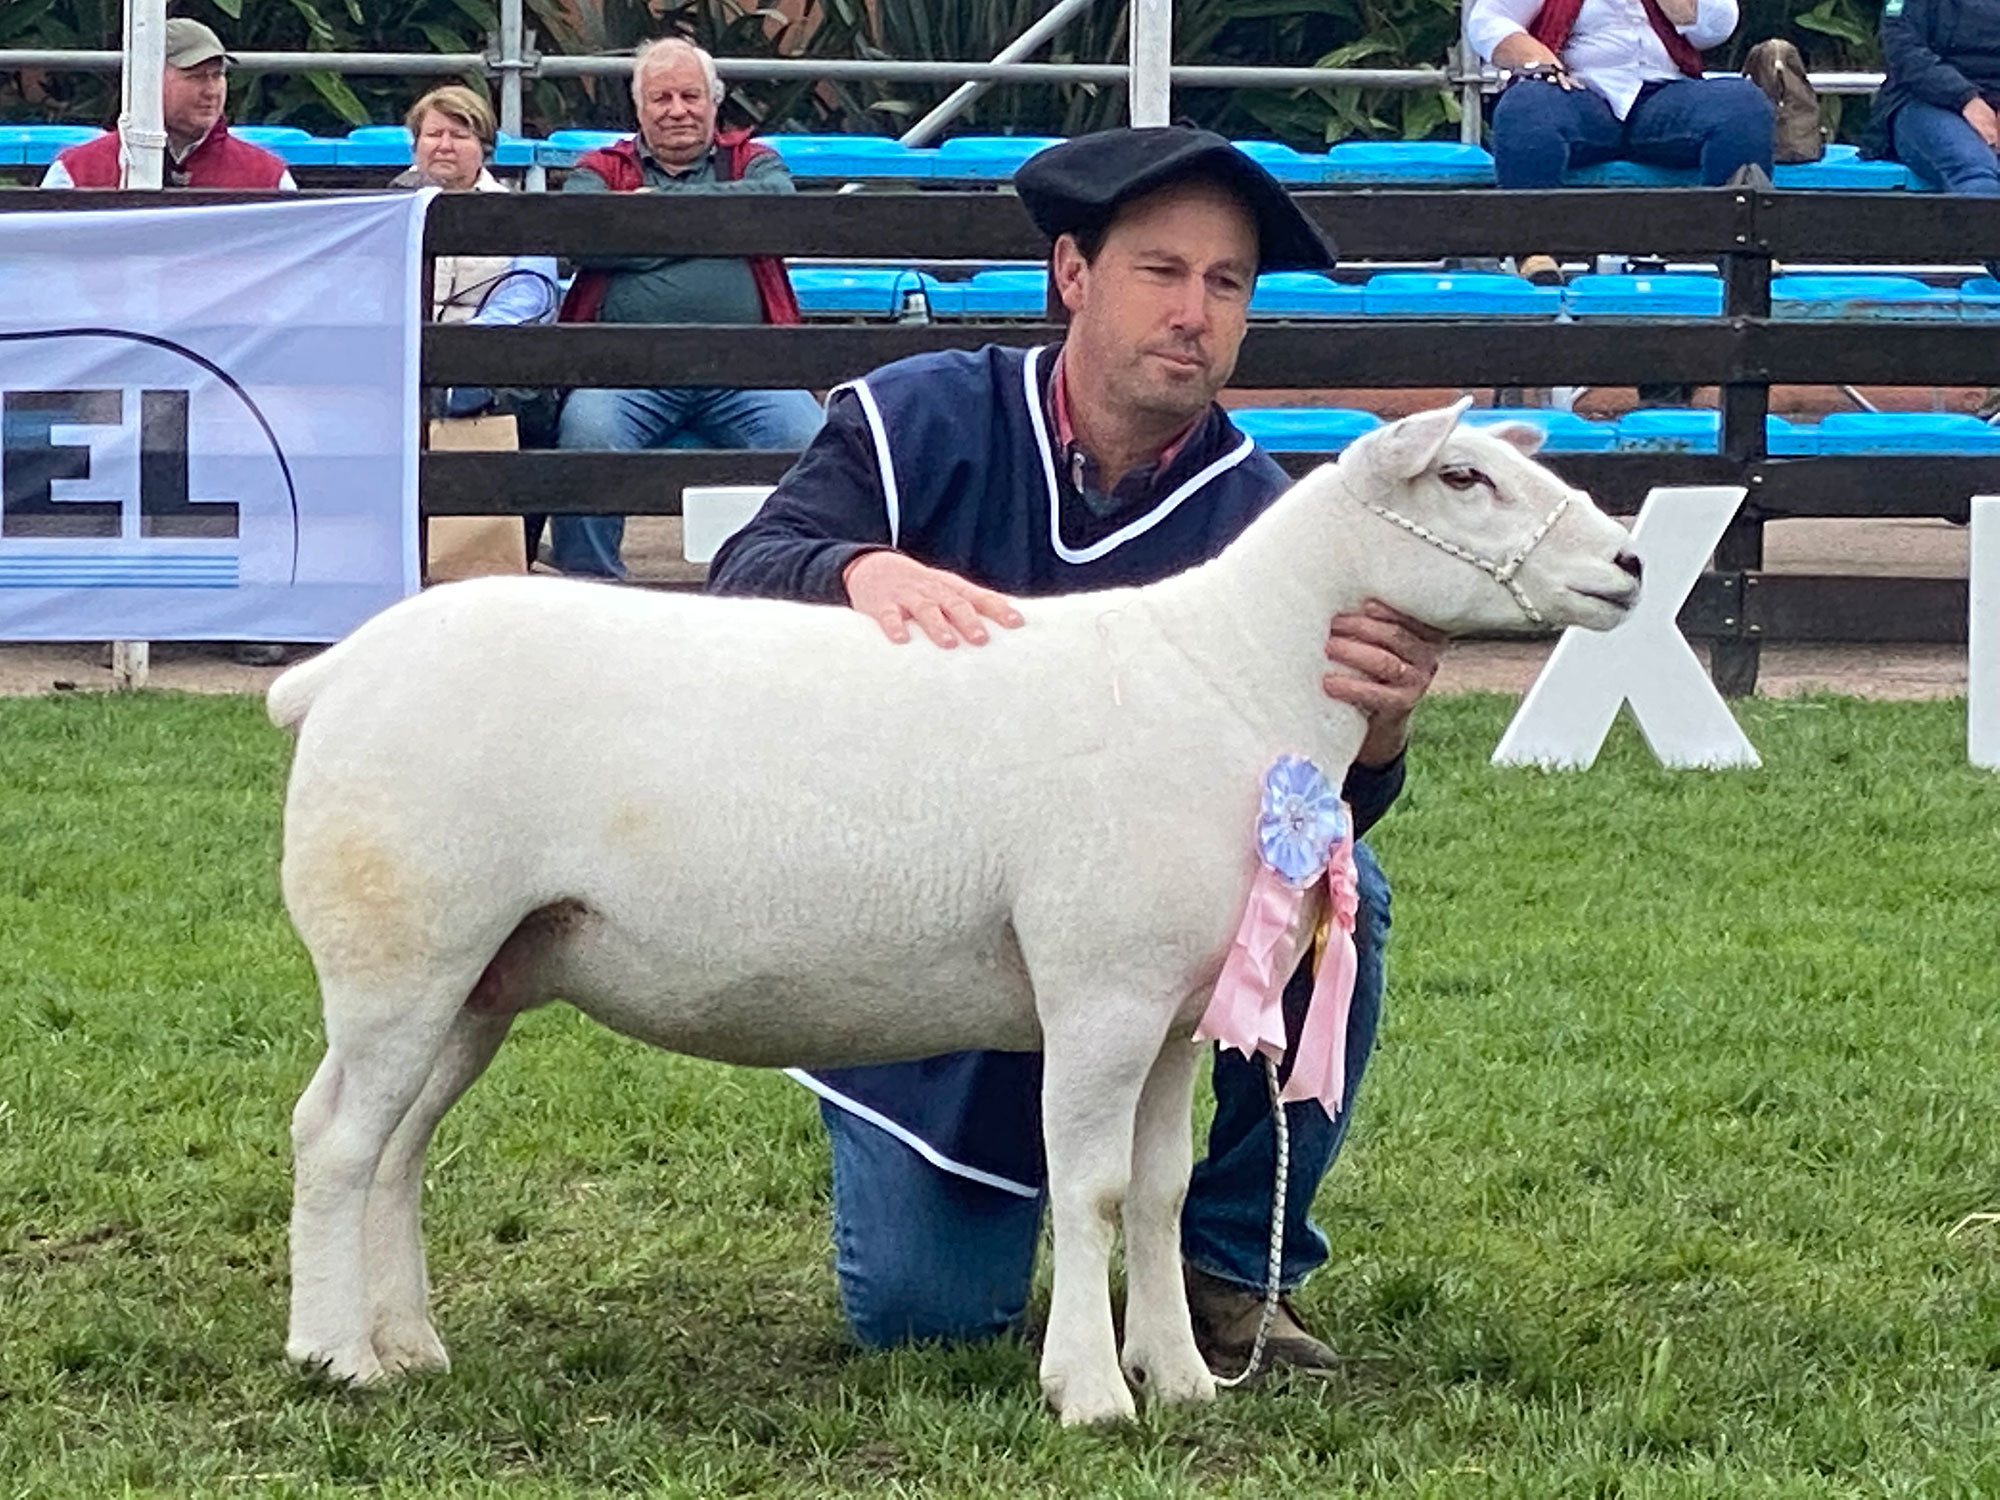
893 589
1384 664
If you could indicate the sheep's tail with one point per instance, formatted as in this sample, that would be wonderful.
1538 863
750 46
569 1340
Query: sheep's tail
293 693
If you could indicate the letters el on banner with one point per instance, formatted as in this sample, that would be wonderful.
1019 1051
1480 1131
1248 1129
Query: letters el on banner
208 419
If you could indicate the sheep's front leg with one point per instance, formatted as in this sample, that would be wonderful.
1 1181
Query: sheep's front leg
1160 1352
1098 1054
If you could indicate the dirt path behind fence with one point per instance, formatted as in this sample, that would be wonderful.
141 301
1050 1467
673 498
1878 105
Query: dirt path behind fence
1923 549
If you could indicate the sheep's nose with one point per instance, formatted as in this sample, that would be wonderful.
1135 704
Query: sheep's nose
1629 562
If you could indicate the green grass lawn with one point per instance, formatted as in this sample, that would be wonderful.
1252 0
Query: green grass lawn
1685 1082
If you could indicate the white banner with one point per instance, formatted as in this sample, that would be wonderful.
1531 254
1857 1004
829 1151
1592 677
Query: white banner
208 419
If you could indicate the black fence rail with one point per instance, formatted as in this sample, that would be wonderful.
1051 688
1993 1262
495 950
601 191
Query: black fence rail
1744 353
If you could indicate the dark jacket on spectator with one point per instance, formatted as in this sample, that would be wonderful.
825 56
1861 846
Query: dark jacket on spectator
1940 52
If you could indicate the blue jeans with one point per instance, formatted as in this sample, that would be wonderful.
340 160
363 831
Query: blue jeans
679 417
1943 146
1541 130
921 1253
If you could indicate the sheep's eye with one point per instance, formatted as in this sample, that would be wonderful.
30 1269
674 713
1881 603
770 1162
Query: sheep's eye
1462 477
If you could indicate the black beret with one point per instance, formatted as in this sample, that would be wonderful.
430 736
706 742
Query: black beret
1077 186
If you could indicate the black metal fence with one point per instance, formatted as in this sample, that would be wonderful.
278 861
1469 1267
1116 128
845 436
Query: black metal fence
1744 352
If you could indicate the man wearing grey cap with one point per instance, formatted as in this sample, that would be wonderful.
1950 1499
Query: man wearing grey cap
201 152
939 486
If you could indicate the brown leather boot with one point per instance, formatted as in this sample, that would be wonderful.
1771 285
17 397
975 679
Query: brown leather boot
1225 1326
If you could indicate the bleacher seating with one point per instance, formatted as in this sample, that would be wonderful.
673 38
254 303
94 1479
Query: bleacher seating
975 159
1563 431
1860 296
1428 294
1645 296
1409 164
38 145
1304 429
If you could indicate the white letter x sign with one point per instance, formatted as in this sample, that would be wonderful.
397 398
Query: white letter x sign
1646 661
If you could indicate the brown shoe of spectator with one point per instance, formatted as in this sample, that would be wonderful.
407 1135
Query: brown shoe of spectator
1542 270
1225 1319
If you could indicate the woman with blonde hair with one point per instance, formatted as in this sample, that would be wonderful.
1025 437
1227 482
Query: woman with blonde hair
452 132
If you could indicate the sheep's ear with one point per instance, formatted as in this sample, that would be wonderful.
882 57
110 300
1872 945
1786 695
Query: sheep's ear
1405 449
1523 435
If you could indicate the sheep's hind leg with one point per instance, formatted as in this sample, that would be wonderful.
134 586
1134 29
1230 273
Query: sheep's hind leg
380 1050
1098 1056
398 1284
1161 1357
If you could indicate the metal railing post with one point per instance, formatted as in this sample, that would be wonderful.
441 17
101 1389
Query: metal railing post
510 66
960 99
1149 91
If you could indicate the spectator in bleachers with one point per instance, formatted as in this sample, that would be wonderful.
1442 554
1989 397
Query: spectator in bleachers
1605 80
201 153
1935 111
676 92
452 132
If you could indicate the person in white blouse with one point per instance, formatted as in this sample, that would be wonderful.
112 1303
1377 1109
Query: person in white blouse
1602 80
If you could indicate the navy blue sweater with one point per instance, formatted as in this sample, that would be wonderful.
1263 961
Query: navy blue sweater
973 486
1939 52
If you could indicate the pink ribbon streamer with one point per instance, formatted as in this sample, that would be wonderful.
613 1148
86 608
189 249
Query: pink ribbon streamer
1247 1010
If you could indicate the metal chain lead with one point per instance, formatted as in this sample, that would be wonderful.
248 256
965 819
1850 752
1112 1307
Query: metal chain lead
1275 1269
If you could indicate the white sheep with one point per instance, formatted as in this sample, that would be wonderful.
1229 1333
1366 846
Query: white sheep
754 831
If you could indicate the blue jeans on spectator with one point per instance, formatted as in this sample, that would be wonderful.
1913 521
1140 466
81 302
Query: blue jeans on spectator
1541 130
681 416
1942 145
921 1253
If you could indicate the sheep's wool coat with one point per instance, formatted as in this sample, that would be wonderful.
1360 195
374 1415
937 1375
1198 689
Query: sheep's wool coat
971 486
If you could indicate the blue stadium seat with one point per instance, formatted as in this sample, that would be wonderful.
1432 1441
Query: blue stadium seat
864 291
850 156
12 145
997 292
1979 299
1409 164
1631 174
1906 432
987 158
1293 168
1697 430
1425 294
375 146
514 150
563 147
1304 429
1900 297
41 144
1843 170
1563 431
298 148
1305 294
1654 296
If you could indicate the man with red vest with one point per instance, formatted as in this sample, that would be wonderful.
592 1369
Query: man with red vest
676 92
201 152
1598 80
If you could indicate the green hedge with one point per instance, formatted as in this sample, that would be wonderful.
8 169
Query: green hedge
1833 34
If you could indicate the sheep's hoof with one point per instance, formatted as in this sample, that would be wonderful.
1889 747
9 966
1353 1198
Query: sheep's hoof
1170 1379
1086 1402
354 1366
410 1349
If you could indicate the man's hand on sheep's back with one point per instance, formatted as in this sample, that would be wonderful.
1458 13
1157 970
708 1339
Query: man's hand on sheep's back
893 589
1384 663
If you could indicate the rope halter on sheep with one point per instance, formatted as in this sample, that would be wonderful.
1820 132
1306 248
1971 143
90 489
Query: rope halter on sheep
1502 573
